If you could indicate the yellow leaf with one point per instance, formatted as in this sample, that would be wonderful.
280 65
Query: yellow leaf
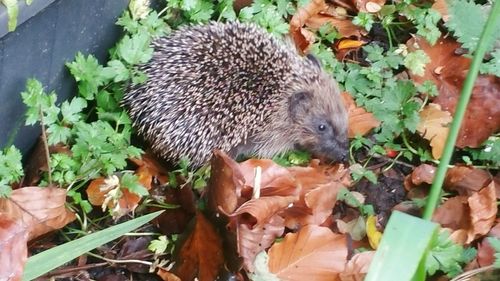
373 234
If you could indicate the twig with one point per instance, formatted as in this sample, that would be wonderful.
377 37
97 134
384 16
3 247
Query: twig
46 147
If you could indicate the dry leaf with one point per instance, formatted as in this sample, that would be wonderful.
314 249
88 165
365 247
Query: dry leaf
483 208
200 256
466 180
441 6
433 126
225 183
41 210
101 192
453 213
357 267
313 253
360 121
13 248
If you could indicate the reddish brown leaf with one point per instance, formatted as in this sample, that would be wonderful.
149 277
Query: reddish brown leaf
149 166
475 214
423 174
174 221
317 195
484 209
485 253
466 180
40 210
357 267
360 121
253 240
99 189
453 213
167 275
463 179
299 19
433 126
314 15
13 248
441 6
200 256
448 70
225 184
94 194
313 253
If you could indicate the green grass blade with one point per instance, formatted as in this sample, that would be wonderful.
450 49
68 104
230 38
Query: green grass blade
403 248
42 263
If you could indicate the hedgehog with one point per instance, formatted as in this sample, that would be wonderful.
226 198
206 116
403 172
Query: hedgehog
235 87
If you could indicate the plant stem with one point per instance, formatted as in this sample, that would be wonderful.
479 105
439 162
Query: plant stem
465 95
46 148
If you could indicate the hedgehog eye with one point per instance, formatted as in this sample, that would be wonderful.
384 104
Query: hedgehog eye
322 127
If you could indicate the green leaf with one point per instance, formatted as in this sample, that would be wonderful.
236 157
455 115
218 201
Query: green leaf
88 73
116 71
135 49
44 262
416 61
447 256
131 182
71 111
11 169
467 21
403 248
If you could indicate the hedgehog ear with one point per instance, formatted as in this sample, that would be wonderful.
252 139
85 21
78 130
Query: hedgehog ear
314 60
298 103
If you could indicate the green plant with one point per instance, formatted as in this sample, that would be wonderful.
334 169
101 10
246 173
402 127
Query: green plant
11 169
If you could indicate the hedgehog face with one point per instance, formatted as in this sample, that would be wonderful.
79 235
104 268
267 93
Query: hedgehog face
320 121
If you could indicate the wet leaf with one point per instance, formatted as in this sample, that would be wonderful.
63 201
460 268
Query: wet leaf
433 126
313 253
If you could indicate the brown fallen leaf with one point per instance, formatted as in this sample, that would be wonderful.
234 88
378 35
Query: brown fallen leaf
313 253
433 126
448 70
441 6
475 214
466 180
463 179
109 193
314 15
40 210
13 248
453 213
483 206
360 121
225 183
200 256
357 267
485 253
